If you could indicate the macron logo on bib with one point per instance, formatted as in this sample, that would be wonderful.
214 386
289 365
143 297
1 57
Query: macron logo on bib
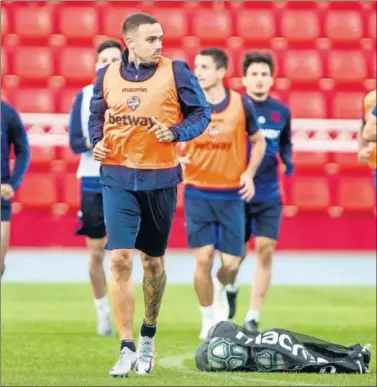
271 134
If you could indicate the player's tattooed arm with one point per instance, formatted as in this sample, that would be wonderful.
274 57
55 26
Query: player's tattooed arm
154 283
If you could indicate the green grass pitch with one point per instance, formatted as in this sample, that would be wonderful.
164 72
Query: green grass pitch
48 335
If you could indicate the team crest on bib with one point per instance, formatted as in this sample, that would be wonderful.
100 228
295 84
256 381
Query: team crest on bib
133 102
213 131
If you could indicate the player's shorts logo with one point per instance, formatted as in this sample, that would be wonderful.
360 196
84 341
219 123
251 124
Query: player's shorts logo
133 102
261 120
213 131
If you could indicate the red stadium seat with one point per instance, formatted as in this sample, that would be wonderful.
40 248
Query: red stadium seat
71 160
176 54
347 66
301 4
77 64
262 27
310 161
310 194
71 191
33 23
174 22
78 23
38 191
307 104
302 66
348 162
4 22
356 194
66 99
236 85
372 25
344 26
34 100
4 62
212 25
4 95
373 66
300 25
33 64
347 105
41 158
113 19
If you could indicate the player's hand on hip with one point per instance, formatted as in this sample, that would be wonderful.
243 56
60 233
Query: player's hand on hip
7 191
364 154
100 151
247 190
161 131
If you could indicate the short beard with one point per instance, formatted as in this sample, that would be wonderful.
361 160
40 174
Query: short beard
260 95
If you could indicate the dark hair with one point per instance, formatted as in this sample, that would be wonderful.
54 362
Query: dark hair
109 44
136 20
258 57
219 57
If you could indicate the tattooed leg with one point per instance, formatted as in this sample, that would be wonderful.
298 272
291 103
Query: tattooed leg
154 282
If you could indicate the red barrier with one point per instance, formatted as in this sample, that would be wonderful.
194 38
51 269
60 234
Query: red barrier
303 232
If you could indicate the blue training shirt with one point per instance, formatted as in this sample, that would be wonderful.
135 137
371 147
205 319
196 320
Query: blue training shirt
274 119
13 134
77 143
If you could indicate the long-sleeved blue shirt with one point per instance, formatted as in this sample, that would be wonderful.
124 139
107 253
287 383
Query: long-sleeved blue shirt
77 140
196 117
250 129
13 134
77 143
274 119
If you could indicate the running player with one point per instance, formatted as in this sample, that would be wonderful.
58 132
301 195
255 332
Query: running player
91 211
141 107
13 135
263 212
217 177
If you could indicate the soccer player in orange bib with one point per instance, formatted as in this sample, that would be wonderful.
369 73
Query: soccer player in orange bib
217 180
141 107
367 152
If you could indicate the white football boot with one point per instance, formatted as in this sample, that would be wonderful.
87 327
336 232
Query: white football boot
126 362
146 355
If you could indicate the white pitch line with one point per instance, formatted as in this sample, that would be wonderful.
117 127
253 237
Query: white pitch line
176 362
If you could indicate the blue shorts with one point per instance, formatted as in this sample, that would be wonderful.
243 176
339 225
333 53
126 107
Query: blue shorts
139 219
263 219
91 216
215 222
6 210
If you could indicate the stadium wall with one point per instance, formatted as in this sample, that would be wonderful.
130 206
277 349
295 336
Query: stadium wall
323 72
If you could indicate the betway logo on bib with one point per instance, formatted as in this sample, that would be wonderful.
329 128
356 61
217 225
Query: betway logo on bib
126 119
209 145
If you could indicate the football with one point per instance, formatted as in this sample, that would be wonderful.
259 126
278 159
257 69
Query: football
224 355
